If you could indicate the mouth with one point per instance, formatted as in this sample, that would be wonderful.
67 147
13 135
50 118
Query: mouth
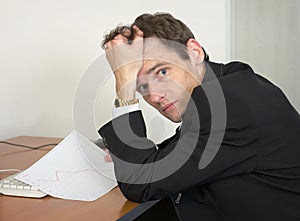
169 107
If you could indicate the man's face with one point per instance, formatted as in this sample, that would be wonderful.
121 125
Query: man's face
166 81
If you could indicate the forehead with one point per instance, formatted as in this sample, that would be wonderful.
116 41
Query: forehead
155 48
158 52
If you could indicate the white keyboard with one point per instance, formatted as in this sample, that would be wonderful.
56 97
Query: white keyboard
13 187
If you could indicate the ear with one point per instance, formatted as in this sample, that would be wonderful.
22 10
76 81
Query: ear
195 50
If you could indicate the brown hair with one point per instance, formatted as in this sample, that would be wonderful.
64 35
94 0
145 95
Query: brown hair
159 25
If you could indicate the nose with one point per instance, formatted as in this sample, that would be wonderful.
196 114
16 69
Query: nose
155 98
155 94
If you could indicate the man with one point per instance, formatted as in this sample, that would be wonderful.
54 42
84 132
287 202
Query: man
236 154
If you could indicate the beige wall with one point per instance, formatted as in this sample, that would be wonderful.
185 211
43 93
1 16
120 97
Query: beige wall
266 35
46 46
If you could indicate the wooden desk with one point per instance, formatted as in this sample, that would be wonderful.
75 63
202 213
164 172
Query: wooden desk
108 207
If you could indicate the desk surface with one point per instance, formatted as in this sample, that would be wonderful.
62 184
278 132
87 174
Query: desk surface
108 207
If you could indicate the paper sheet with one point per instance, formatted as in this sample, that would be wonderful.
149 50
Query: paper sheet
75 169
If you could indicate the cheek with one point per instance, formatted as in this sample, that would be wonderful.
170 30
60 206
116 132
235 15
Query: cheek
176 88
189 84
148 100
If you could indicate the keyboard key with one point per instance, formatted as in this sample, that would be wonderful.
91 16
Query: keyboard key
13 187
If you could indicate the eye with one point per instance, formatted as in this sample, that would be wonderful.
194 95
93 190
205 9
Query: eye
143 88
162 72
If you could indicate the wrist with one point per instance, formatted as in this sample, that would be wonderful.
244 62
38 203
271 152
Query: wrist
126 78
126 91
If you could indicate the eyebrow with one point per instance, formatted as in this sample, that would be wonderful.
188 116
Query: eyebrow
149 71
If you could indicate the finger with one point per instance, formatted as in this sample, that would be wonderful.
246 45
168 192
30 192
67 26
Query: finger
126 32
137 32
107 157
117 40
120 37
107 46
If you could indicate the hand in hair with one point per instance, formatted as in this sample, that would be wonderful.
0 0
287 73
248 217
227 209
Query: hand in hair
125 57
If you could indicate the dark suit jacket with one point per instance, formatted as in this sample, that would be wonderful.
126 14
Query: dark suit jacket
255 174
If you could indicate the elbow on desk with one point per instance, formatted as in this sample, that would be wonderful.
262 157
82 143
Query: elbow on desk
137 192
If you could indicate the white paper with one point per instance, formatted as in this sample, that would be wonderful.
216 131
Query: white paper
75 169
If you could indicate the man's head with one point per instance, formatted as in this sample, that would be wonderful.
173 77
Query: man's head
158 25
173 62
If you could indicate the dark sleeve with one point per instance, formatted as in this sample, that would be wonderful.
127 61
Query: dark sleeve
145 173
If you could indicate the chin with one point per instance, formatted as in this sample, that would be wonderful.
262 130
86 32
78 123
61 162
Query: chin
175 119
172 116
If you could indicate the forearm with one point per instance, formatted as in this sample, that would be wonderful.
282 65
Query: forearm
143 172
